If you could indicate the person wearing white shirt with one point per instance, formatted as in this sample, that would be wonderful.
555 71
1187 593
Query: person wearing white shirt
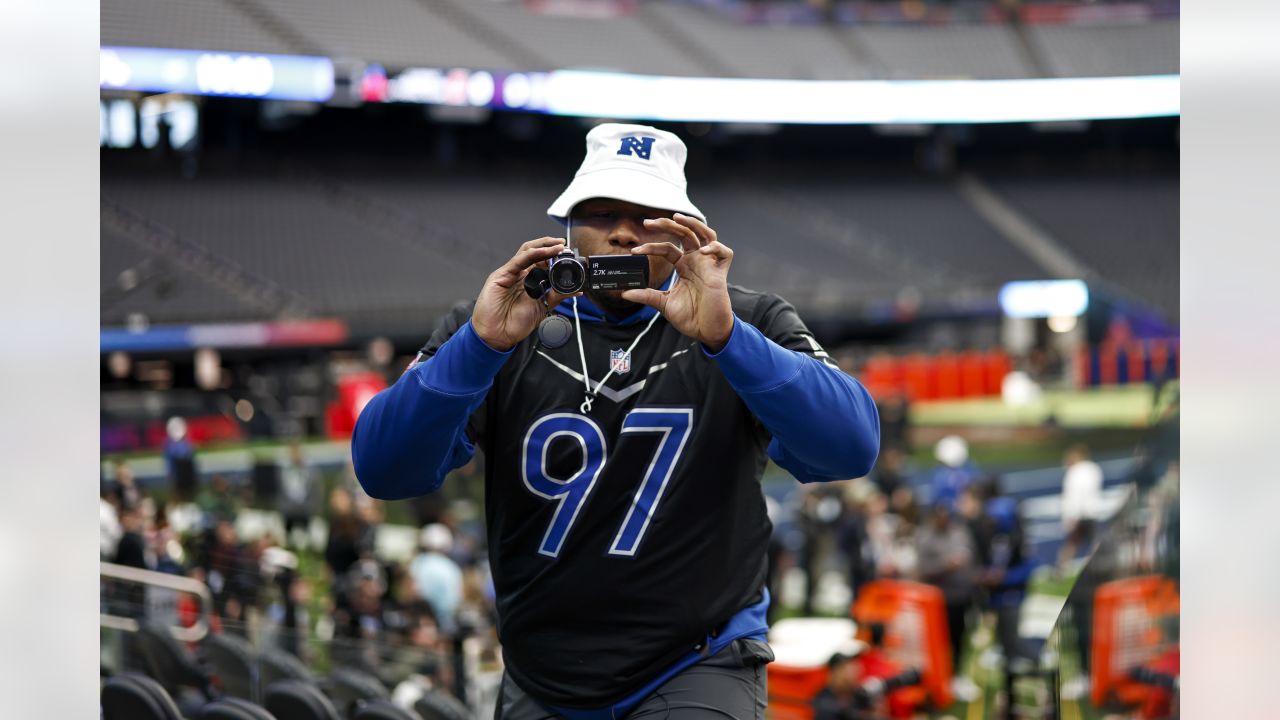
1081 498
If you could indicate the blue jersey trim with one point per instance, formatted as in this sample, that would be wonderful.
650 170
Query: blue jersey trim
463 365
749 622
825 425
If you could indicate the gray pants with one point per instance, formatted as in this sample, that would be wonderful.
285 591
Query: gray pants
731 684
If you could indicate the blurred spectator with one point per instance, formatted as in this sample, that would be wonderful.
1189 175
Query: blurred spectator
895 422
839 700
231 574
1006 567
217 500
953 473
425 652
126 491
297 500
947 560
288 621
436 576
179 458
342 549
819 512
882 529
852 537
132 548
1081 500
109 530
163 543
903 504
889 473
874 665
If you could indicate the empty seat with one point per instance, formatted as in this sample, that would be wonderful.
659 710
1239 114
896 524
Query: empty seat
299 700
132 696
350 687
170 662
384 710
276 665
439 705
234 709
232 661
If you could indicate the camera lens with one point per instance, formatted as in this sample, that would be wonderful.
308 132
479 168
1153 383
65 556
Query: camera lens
567 275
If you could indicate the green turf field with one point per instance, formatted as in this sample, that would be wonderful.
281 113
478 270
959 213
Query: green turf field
1124 406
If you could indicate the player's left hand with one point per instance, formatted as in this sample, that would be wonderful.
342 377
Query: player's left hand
697 304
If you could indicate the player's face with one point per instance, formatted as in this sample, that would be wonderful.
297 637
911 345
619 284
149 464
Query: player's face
602 226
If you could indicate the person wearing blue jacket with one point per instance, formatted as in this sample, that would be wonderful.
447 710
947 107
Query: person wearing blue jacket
626 525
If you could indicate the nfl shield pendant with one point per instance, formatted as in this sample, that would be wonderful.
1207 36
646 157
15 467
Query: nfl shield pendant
619 361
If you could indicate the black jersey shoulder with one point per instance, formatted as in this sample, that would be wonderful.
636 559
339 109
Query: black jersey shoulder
447 325
777 319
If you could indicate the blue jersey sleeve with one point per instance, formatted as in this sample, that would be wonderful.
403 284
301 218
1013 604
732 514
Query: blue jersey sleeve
824 423
409 436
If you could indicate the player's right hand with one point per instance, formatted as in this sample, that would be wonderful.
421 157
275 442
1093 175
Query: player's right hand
504 313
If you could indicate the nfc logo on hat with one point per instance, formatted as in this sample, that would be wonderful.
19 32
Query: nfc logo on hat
641 146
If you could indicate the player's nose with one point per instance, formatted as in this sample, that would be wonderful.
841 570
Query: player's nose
626 232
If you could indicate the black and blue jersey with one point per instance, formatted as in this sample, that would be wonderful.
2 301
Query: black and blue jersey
629 539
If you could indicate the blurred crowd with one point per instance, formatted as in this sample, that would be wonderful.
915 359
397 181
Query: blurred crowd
311 585
948 525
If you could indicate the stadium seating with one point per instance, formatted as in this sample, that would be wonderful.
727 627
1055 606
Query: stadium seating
170 662
1108 50
384 710
299 700
396 33
200 24
1141 227
664 38
234 665
234 709
132 696
437 705
277 666
805 52
952 51
834 241
349 688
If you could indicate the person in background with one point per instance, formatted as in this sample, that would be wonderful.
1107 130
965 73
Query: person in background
132 548
890 471
954 471
882 528
895 422
218 500
1006 569
852 535
437 578
298 486
839 699
1081 497
342 549
180 460
947 561
126 490
109 530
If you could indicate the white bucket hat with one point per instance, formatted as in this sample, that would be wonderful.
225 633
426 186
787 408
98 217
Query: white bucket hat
634 163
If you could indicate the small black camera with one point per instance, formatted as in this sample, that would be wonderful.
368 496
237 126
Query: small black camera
569 273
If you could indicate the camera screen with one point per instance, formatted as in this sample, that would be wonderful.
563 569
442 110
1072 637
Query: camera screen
617 272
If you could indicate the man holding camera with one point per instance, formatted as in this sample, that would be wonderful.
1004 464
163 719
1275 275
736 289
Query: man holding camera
626 427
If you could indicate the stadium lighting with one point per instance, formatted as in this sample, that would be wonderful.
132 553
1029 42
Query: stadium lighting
204 72
1044 298
643 97
595 94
